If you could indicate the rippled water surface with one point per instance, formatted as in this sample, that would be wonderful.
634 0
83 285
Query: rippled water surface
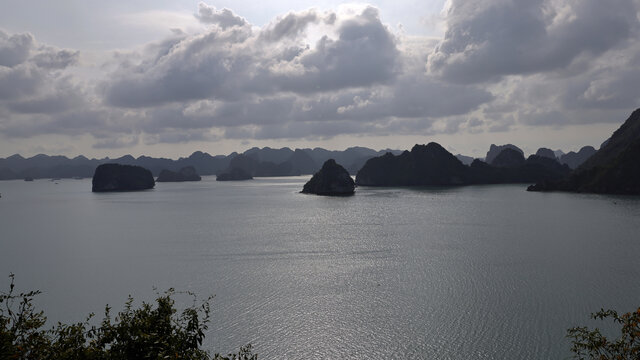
481 272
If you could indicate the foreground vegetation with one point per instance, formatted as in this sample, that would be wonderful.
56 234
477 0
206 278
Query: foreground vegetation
161 332
147 332
592 344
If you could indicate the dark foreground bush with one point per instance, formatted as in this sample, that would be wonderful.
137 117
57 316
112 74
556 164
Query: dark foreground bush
592 344
147 332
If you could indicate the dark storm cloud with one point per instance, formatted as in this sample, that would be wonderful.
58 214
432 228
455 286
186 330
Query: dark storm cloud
488 40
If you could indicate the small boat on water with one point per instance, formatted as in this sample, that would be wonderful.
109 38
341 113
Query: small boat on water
28 178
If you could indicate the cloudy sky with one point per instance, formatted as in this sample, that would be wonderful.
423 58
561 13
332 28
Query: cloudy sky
166 78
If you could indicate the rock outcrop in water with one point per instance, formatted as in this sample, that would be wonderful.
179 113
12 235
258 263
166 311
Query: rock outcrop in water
117 177
432 165
424 165
187 173
614 169
331 180
234 174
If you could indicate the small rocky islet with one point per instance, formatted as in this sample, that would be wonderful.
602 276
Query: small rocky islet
118 177
331 180
234 174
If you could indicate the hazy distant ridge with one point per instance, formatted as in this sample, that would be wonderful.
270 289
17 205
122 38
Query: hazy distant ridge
278 162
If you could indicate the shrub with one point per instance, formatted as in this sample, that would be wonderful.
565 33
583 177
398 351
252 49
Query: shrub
592 344
147 332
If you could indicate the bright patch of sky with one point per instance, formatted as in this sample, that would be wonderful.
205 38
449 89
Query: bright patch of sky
107 25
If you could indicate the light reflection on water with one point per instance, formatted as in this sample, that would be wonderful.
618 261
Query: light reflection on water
483 272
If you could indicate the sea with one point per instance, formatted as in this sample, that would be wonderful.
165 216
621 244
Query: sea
474 272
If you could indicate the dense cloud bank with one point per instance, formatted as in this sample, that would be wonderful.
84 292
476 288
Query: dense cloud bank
318 74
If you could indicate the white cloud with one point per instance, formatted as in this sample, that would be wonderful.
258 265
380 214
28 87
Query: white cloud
312 74
491 39
224 18
15 49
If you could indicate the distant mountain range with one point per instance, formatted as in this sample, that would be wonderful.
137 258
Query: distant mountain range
572 159
255 161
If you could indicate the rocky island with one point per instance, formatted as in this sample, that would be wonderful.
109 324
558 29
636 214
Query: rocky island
432 165
424 165
117 177
614 169
331 180
187 173
234 174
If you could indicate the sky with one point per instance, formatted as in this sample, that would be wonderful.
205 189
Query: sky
167 78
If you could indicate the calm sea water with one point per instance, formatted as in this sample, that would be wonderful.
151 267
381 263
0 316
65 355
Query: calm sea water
480 272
